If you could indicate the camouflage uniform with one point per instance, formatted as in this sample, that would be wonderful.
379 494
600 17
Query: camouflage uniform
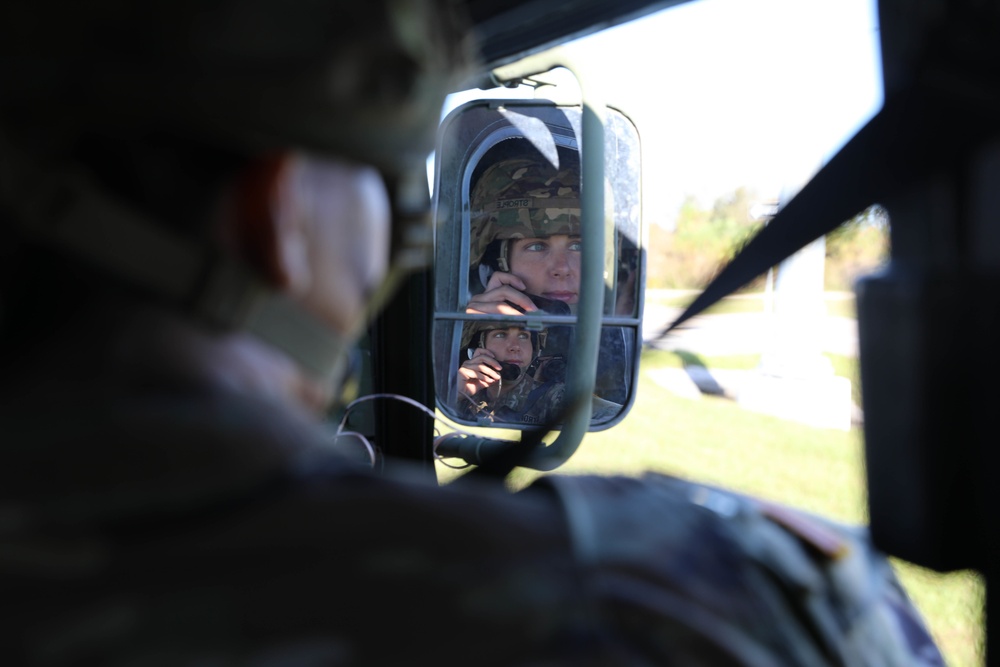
614 359
516 404
531 401
775 587
239 538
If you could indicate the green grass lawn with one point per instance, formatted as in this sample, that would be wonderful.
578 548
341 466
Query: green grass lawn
715 441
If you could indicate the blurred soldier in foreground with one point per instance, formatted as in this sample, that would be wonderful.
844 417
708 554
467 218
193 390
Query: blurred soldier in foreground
196 217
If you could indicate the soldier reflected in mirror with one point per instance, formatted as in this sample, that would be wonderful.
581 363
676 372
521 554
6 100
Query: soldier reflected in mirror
508 376
525 235
525 252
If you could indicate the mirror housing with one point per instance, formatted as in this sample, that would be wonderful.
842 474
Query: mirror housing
482 133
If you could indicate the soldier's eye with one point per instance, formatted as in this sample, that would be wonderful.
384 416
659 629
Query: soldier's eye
536 246
576 246
523 336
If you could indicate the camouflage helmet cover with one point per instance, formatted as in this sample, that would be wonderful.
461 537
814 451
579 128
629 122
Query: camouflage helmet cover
362 80
472 331
523 198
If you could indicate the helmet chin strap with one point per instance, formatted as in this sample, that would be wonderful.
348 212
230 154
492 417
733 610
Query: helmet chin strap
503 263
70 213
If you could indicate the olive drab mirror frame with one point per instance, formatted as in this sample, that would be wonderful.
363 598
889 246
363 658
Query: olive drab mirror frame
473 138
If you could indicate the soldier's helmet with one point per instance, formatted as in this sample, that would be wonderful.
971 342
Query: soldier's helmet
358 81
362 80
522 198
474 335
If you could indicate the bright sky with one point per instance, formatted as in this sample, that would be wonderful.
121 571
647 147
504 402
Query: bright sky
738 92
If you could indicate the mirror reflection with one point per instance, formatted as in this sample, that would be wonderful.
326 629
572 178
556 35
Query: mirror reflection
511 205
525 236
510 374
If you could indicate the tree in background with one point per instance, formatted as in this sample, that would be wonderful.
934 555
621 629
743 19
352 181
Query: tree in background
702 242
705 240
856 248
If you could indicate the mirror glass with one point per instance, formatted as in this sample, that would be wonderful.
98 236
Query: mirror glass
507 264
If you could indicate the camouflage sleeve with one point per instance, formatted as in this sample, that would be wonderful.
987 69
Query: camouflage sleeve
688 574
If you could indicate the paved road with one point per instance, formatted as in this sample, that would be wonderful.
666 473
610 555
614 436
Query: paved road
746 333
798 385
802 391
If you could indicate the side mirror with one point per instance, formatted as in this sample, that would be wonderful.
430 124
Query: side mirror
501 353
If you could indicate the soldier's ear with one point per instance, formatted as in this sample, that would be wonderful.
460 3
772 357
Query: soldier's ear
264 226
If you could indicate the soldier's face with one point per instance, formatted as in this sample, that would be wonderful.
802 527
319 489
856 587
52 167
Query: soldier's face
549 267
512 346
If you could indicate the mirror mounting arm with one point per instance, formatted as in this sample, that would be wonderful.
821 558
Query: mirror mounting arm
474 450
582 373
